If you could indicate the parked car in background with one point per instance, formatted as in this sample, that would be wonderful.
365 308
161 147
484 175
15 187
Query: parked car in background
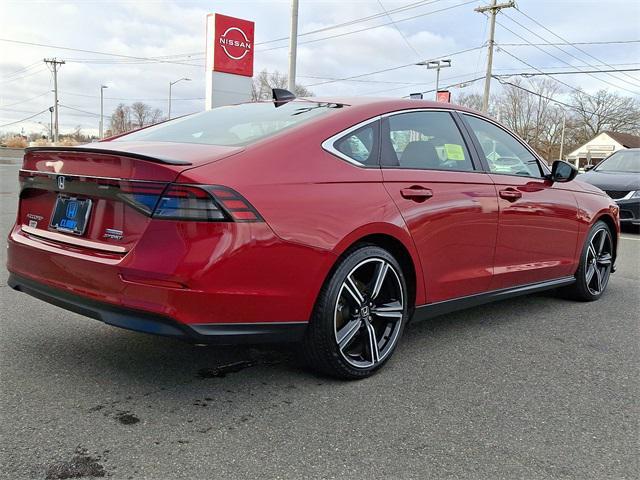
619 176
330 222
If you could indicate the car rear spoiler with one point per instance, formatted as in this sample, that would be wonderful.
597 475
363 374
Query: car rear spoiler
105 151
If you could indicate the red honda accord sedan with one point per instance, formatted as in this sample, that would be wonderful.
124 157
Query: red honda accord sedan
328 222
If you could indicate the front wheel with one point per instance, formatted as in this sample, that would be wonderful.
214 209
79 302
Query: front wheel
596 262
359 316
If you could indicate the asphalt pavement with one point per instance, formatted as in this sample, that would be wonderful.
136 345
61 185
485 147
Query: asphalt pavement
531 388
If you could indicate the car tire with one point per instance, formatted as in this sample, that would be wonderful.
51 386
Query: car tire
596 261
359 315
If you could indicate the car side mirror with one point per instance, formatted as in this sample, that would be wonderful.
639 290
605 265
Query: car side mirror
589 167
563 171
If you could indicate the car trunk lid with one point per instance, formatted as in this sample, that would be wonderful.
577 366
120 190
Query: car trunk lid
100 197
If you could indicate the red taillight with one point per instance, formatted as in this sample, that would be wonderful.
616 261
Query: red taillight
205 203
235 204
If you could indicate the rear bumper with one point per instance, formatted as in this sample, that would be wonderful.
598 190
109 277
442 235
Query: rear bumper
140 321
195 274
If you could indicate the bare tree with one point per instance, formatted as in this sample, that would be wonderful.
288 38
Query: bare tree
120 120
138 115
470 100
264 81
156 116
603 111
141 113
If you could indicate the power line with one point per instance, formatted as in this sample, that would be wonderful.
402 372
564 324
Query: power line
565 40
32 72
372 28
393 68
20 42
571 55
406 40
604 42
22 70
532 74
25 119
556 57
543 73
83 111
196 56
163 99
409 6
2 107
452 85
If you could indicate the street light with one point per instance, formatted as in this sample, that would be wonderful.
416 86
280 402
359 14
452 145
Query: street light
102 87
437 64
171 84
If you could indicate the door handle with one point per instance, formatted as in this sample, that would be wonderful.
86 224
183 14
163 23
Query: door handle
510 194
416 193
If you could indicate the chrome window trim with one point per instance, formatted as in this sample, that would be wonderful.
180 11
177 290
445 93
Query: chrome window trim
417 109
544 167
328 146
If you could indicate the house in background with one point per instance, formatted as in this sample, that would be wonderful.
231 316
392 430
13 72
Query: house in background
601 146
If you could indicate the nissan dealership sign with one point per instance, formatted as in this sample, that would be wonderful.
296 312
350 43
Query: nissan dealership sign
233 49
229 60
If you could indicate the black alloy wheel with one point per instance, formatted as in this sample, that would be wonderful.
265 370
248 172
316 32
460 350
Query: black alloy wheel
596 264
359 316
598 261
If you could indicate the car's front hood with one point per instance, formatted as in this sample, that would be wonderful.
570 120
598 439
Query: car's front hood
612 181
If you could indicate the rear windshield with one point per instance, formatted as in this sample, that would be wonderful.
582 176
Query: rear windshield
233 125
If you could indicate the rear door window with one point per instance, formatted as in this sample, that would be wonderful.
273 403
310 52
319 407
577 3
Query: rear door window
425 141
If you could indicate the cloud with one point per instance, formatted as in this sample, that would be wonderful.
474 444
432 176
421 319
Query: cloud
163 28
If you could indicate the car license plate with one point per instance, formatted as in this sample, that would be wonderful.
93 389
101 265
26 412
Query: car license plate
70 214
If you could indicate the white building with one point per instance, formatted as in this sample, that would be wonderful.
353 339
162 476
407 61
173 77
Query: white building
601 146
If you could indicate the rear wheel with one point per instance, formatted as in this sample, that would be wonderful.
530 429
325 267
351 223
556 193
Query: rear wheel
359 315
596 261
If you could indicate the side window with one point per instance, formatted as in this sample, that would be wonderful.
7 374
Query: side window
425 141
360 145
503 152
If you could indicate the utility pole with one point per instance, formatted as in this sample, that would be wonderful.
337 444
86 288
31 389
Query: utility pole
493 10
437 64
102 87
54 62
293 46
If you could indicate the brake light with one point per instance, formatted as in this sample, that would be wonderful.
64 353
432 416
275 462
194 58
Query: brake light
235 204
208 203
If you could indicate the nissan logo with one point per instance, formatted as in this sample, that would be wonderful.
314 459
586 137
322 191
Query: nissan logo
61 183
236 47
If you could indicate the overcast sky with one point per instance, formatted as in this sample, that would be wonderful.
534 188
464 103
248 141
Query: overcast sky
175 30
